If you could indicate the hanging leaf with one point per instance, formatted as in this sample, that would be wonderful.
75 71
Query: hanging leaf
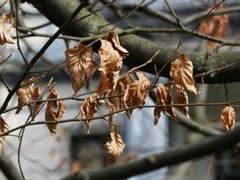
215 26
88 108
36 107
27 93
110 110
6 23
182 73
111 54
24 95
120 90
3 128
163 98
54 111
228 117
136 93
80 66
182 98
114 147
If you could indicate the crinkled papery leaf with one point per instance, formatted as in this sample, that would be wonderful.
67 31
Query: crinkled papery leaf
80 66
228 117
54 111
88 108
3 128
163 98
111 54
113 38
6 23
120 89
25 93
110 110
114 147
182 73
215 26
35 108
182 98
136 92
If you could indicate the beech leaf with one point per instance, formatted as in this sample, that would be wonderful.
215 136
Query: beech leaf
228 117
136 92
80 66
88 108
120 90
27 93
3 128
182 73
215 26
54 111
6 23
114 147
182 98
163 98
111 55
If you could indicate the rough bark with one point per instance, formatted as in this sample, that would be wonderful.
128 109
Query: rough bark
141 49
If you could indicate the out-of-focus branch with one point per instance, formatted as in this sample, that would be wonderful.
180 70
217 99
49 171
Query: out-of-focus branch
170 157
8 168
141 49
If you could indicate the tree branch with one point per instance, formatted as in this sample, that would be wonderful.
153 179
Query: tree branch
170 157
141 49
8 168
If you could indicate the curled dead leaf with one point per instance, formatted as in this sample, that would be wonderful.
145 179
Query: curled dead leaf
163 98
6 23
182 98
182 73
3 128
111 55
80 66
54 111
88 108
215 26
228 117
120 89
26 94
136 92
114 147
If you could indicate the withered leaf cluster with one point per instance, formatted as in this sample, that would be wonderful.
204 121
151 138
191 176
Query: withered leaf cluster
124 91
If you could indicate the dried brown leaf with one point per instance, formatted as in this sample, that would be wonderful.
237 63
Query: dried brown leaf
25 94
3 128
120 89
114 147
6 23
163 98
113 38
215 26
54 111
182 98
111 54
80 66
136 92
88 108
182 73
228 117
